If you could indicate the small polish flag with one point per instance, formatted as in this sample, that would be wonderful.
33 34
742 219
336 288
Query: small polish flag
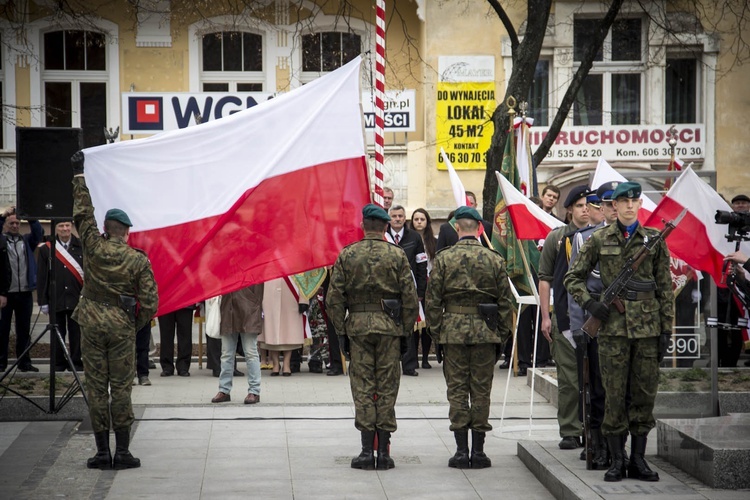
530 221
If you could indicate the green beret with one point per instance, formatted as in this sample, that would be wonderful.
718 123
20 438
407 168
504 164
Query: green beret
467 213
630 190
118 215
371 211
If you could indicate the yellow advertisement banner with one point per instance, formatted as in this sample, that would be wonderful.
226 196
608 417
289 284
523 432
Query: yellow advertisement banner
464 124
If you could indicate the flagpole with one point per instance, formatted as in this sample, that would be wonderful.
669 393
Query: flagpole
379 101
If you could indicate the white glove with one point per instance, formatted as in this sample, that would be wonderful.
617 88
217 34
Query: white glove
696 296
44 309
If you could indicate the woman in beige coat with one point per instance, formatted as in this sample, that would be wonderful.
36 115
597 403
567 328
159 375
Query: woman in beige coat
283 329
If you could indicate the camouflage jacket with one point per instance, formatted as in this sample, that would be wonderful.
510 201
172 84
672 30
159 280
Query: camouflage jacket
366 272
111 268
467 274
607 246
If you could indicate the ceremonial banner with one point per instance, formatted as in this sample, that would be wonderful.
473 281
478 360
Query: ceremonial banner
310 282
504 236
267 192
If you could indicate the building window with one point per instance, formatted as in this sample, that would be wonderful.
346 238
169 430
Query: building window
611 93
681 90
232 61
75 82
539 94
322 52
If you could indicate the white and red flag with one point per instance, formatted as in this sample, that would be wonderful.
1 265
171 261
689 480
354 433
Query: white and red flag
530 221
697 239
267 192
523 152
605 173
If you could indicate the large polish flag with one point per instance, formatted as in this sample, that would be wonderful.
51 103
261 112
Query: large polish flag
267 192
530 222
606 173
697 239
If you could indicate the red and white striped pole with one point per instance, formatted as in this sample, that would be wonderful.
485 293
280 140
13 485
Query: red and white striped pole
379 101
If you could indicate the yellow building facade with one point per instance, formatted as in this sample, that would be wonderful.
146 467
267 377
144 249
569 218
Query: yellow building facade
447 65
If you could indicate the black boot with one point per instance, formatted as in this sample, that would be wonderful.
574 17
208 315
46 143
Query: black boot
478 459
123 458
461 459
384 461
366 459
600 460
103 458
617 470
638 468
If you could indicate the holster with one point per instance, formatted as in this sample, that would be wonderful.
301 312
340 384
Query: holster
490 315
392 307
128 304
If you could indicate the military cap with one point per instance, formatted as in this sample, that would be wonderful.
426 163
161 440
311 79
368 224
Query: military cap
630 190
575 194
604 192
371 211
741 197
593 199
467 213
118 215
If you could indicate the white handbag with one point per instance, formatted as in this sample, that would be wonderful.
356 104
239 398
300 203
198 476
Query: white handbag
213 317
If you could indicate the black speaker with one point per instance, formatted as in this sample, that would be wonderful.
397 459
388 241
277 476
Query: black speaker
43 171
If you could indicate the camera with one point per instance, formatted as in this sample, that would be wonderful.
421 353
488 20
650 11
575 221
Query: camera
739 224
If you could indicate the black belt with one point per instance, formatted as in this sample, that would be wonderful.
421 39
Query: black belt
360 308
461 309
633 295
108 299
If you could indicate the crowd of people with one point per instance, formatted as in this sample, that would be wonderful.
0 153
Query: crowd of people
389 302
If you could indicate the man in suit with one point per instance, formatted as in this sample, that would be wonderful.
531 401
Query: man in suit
411 242
68 285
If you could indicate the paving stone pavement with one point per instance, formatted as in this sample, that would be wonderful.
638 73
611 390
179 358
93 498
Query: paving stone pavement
297 443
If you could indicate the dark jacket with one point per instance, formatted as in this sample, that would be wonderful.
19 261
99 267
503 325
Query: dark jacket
4 267
31 240
447 237
68 288
412 244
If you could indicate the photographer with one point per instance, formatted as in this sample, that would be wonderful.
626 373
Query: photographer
740 258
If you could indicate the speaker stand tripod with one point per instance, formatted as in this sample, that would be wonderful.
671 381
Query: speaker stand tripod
56 342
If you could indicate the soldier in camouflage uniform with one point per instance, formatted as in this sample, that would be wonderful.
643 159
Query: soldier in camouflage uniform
365 274
632 344
463 277
117 276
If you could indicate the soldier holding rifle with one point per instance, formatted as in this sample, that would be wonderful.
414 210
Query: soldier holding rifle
634 336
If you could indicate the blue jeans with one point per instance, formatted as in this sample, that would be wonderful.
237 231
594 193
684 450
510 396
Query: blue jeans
228 351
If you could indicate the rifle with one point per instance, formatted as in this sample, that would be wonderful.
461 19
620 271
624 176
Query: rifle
586 401
611 295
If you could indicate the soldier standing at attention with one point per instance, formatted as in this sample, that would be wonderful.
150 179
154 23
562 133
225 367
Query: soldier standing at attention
632 344
372 280
469 314
119 297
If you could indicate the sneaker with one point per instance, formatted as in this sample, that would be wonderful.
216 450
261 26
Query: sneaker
143 380
28 368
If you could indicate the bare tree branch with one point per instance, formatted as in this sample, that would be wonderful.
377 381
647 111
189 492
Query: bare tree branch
507 23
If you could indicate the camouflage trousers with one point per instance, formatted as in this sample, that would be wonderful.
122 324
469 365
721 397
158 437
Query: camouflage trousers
375 375
109 363
468 371
620 359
